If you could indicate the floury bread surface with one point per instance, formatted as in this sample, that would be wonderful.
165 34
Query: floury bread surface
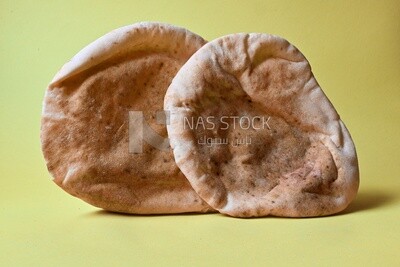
85 127
292 156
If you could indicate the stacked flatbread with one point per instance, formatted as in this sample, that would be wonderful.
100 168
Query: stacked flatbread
292 156
85 121
252 133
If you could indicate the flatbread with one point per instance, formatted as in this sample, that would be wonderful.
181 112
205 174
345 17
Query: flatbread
296 159
85 121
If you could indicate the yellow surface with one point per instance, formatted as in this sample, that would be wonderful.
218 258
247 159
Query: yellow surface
354 49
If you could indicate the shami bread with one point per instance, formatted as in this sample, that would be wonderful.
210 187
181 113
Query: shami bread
296 160
85 121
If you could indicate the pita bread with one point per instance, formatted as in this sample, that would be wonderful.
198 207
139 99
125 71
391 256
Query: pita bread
297 159
85 125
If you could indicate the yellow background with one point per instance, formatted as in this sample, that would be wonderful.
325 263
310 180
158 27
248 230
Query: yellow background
354 50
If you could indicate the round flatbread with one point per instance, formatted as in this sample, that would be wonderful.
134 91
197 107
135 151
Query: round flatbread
254 133
98 106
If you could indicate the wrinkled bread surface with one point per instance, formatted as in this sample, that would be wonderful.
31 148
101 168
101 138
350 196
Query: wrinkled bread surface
302 163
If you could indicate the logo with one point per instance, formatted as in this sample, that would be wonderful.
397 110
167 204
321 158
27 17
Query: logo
140 131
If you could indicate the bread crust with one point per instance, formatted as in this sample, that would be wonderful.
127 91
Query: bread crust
304 164
84 131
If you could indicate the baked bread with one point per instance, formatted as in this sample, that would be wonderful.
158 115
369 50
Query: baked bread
254 133
85 122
